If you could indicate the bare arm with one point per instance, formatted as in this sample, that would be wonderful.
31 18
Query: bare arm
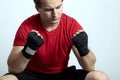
87 62
84 55
20 55
16 61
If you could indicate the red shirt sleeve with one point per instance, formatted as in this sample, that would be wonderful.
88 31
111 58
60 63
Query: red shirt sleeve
21 35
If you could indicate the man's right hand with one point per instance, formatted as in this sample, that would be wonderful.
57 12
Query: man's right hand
34 41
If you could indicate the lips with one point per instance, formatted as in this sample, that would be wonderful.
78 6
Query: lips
54 19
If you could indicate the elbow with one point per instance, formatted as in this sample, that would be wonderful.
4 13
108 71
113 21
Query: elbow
12 68
13 71
89 68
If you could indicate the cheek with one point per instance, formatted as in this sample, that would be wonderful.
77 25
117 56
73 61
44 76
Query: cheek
60 11
45 14
48 15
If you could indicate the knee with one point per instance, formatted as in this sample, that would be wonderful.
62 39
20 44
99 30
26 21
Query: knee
96 75
8 77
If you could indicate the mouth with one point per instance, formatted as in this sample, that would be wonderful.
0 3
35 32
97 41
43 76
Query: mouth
55 19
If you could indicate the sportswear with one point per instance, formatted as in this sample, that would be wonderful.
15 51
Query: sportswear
71 73
53 56
81 43
34 42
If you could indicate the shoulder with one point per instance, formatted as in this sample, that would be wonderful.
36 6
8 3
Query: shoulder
70 24
30 22
67 17
68 20
32 19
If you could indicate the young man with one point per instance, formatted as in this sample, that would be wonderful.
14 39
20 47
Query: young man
42 47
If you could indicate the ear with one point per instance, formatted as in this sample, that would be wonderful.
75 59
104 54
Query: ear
36 7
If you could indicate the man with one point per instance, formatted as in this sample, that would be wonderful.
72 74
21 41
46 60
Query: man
42 45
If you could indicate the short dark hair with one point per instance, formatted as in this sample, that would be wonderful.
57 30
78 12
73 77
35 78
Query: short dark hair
38 2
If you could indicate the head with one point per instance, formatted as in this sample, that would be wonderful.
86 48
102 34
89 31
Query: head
50 10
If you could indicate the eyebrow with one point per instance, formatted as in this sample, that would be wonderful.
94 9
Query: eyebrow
59 5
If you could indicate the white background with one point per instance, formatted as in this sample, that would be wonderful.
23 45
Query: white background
100 19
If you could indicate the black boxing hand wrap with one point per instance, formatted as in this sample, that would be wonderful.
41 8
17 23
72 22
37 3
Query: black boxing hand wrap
81 43
33 43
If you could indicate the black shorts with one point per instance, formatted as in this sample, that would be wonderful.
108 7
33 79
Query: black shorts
69 74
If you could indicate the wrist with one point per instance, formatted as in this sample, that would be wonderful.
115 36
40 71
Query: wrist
83 51
28 52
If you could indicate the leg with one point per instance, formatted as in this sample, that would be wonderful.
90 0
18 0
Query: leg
8 77
96 75
74 74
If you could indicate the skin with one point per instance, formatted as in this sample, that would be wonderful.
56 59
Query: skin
50 17
51 11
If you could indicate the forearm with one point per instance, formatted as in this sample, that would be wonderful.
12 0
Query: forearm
85 56
16 61
20 55
88 62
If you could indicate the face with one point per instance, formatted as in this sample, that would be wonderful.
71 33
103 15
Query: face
50 11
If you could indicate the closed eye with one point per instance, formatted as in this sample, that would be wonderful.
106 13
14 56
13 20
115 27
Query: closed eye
48 9
58 6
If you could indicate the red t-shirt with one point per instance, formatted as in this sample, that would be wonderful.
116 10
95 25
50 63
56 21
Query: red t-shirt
52 57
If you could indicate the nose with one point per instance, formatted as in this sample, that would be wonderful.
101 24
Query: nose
54 13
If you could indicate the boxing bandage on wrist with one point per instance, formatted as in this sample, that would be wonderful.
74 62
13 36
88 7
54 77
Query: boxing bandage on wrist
33 43
81 43
28 52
